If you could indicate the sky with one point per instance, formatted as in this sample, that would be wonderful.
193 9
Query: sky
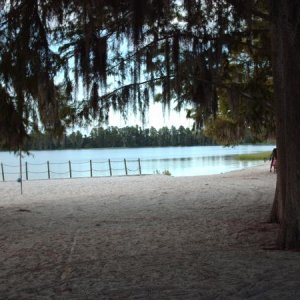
155 117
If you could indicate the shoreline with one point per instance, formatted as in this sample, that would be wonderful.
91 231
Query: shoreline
262 164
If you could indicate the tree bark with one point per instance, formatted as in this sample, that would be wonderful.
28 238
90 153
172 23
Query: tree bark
275 212
286 64
276 215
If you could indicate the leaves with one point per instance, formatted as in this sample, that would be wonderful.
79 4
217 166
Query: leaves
89 57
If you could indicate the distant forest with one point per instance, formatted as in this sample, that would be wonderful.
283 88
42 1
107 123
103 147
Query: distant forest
130 136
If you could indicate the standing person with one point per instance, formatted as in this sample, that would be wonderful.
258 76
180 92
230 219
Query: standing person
273 159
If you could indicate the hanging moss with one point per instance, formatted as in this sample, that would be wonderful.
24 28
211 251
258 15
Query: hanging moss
193 51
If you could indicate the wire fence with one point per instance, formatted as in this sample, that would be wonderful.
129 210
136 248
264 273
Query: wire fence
69 169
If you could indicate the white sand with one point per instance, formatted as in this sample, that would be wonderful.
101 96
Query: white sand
148 237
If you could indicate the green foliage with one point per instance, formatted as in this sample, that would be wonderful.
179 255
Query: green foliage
254 156
224 130
165 172
202 53
130 136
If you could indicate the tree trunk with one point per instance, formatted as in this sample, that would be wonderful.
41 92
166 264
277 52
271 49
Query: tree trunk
275 212
276 215
286 64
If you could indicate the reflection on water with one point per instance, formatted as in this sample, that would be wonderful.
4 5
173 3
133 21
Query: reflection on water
198 165
180 161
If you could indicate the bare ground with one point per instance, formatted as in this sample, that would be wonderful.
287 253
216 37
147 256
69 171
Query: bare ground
148 237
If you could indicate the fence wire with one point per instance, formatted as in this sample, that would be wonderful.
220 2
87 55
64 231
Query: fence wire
27 171
37 164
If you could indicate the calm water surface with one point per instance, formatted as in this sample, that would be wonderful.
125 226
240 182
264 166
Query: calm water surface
180 161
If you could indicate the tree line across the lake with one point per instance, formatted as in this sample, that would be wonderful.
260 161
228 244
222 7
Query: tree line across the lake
112 136
130 136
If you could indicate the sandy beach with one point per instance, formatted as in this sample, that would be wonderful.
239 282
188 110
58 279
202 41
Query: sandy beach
144 237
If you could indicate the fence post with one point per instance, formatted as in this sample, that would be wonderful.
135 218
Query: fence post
2 170
21 171
140 169
125 165
91 168
48 168
110 170
26 170
70 169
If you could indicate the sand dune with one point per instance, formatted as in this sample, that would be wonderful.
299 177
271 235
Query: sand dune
147 237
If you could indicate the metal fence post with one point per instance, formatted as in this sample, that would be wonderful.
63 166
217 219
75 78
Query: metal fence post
48 168
2 170
125 165
91 168
110 170
70 169
21 172
26 170
140 169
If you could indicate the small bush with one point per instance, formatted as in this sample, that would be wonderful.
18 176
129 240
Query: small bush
165 172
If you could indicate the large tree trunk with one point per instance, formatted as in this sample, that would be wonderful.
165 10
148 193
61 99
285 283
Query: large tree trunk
276 212
286 63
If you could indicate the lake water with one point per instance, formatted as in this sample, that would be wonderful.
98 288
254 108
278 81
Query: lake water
180 161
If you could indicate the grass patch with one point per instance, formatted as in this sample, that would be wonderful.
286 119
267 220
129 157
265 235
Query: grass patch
254 156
